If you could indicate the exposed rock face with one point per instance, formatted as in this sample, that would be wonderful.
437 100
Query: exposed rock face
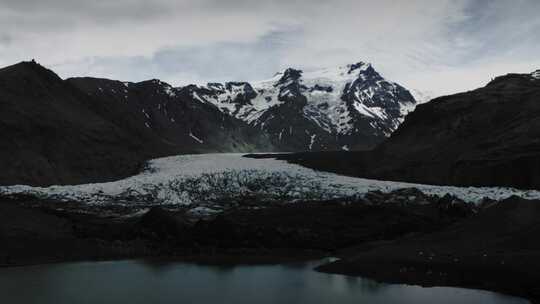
53 133
486 137
490 136
171 115
350 107
496 249
84 130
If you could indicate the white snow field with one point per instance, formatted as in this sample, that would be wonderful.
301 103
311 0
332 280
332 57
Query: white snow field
206 180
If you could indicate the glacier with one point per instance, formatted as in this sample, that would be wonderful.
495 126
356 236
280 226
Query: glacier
208 181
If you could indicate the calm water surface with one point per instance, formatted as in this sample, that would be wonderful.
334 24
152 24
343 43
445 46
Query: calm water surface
146 282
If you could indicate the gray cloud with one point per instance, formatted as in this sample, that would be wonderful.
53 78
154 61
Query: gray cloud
218 62
443 46
96 9
494 28
5 39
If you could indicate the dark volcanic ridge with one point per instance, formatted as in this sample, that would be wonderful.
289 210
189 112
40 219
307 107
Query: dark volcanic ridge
84 130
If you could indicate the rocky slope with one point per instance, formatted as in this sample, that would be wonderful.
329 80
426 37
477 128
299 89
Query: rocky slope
490 136
172 115
350 107
53 133
495 250
486 137
87 129
84 130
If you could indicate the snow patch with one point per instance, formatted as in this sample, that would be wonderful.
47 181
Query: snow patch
362 109
312 141
170 91
196 138
197 97
145 114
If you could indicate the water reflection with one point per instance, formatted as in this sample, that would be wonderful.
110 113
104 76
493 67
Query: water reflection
175 282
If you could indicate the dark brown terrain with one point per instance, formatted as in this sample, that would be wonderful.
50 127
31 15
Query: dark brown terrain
402 237
52 133
497 249
35 231
85 130
486 137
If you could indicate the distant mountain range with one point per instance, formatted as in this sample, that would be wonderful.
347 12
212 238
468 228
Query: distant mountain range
89 129
349 107
83 130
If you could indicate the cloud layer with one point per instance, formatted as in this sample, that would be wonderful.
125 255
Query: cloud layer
443 46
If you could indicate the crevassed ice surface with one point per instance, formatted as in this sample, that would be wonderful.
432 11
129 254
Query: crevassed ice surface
208 179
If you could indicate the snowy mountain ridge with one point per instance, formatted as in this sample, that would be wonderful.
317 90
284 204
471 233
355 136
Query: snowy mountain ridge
329 108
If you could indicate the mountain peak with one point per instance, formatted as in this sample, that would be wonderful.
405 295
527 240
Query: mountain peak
359 66
340 107
290 72
29 70
30 63
154 83
25 66
514 77
289 75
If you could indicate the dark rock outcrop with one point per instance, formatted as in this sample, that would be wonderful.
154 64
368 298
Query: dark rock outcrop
172 115
85 130
489 137
496 249
486 137
53 133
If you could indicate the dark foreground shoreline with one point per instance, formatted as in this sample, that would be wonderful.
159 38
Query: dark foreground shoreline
403 237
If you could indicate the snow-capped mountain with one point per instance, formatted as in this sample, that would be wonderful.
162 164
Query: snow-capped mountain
172 115
349 107
113 126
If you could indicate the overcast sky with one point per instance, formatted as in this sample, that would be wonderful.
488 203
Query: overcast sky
443 46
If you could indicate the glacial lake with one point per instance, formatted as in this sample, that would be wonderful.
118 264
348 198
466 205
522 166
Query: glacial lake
146 282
